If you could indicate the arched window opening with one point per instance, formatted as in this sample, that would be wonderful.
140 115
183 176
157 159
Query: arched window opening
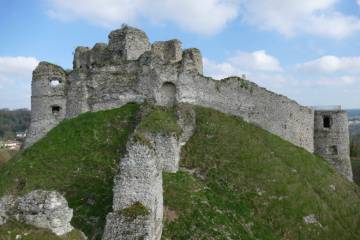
55 82
167 94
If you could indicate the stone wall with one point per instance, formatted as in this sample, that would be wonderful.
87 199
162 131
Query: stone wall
129 69
139 180
48 100
273 112
332 140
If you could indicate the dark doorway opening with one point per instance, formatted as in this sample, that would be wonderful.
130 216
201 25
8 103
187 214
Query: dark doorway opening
327 122
55 109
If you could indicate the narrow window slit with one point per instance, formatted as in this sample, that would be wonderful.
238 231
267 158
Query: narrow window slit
55 109
327 121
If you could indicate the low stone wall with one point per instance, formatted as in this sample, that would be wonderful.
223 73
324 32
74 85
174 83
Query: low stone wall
139 181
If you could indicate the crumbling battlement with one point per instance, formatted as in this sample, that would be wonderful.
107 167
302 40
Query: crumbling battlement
131 69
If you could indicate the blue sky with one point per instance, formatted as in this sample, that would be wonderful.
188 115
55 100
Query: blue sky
307 50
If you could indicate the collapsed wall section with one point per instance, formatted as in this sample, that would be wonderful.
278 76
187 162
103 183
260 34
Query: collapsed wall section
331 140
103 88
138 191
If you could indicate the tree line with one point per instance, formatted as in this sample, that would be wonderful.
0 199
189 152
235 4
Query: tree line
355 145
12 121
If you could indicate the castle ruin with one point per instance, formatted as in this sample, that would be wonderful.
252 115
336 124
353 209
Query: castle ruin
131 69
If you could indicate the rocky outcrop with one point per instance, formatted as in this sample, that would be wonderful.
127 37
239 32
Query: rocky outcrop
43 209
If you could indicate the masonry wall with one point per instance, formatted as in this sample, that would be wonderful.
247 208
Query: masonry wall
48 100
273 112
332 140
130 69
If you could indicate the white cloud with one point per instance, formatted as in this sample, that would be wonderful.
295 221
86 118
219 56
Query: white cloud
330 71
17 65
256 61
241 63
331 64
266 70
201 16
220 70
334 81
15 80
292 17
257 66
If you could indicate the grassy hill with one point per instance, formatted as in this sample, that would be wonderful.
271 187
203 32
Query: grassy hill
237 181
77 158
355 156
5 155
355 162
241 182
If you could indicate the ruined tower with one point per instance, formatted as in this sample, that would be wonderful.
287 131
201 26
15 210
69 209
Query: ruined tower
331 139
48 100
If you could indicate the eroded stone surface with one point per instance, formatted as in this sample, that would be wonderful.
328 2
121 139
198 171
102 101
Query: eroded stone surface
140 179
43 209
332 140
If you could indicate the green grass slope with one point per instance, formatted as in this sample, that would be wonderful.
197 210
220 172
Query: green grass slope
5 155
237 181
14 230
77 158
355 162
241 182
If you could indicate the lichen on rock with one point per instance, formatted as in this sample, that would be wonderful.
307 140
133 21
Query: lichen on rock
43 209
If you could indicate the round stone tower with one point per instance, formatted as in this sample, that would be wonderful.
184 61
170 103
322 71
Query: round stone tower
331 139
48 100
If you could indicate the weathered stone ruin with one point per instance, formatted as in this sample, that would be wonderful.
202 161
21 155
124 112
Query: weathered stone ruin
140 179
332 141
41 209
131 69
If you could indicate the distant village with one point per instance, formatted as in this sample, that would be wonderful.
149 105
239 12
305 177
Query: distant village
14 144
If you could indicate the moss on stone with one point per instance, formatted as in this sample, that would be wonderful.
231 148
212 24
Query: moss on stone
161 120
135 210
141 138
